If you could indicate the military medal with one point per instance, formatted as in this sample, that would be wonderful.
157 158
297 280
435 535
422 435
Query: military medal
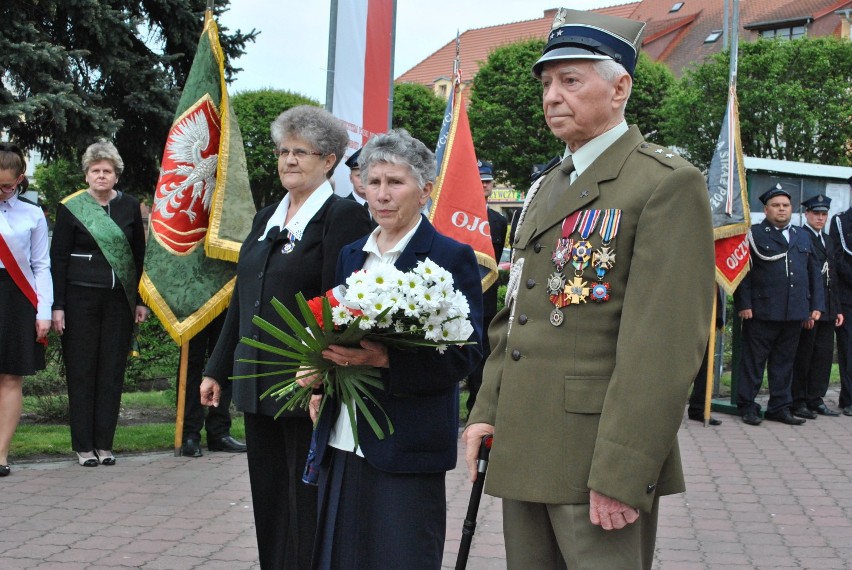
599 292
582 250
604 258
291 243
561 256
577 291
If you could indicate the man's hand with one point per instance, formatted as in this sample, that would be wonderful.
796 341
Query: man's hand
838 322
745 314
210 392
472 436
610 514
808 324
815 315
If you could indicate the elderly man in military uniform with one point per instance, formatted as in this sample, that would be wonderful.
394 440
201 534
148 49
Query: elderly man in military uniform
841 234
812 366
612 275
782 291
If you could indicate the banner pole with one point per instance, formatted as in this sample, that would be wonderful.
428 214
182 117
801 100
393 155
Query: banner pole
711 359
181 397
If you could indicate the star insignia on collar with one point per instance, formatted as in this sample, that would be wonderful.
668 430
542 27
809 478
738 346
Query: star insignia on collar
584 193
669 155
559 32
659 151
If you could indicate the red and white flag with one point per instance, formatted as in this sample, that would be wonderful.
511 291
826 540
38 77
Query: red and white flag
361 71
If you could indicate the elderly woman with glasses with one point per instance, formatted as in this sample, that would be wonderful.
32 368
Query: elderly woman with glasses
292 247
26 292
383 501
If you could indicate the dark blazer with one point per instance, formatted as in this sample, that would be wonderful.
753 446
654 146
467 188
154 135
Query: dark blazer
421 392
841 257
76 258
781 290
824 256
264 272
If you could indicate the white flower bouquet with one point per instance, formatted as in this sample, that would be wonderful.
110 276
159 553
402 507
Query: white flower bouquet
404 310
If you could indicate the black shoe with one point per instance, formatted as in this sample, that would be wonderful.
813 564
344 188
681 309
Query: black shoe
824 410
847 411
785 417
803 412
191 448
4 470
751 418
699 417
226 443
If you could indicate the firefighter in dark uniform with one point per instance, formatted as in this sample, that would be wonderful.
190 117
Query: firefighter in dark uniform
782 290
812 367
841 235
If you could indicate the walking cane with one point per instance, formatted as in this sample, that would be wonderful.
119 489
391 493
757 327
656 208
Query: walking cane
469 527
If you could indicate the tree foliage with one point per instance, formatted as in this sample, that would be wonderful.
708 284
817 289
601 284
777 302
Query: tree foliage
418 110
58 179
652 82
794 100
506 116
255 112
76 70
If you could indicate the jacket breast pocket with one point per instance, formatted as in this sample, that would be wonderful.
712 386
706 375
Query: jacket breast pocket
585 394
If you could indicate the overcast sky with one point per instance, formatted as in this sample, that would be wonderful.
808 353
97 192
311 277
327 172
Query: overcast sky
291 51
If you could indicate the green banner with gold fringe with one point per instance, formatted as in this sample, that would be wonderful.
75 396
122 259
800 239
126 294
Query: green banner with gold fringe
203 206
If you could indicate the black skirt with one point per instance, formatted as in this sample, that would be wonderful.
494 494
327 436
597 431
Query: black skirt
20 354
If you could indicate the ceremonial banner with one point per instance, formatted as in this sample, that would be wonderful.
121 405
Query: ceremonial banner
458 208
203 206
360 86
729 201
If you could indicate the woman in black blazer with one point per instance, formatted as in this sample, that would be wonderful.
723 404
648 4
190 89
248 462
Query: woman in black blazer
292 247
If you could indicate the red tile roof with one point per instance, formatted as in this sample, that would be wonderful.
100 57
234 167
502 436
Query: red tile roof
675 38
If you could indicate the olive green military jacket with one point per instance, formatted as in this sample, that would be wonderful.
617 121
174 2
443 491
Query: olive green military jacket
596 402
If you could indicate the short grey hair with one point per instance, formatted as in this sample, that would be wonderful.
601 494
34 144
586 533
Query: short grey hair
103 150
399 147
609 70
315 125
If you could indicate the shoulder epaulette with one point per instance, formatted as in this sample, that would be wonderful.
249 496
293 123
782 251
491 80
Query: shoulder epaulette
663 155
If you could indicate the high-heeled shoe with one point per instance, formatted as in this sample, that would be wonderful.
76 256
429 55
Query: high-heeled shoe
87 461
105 457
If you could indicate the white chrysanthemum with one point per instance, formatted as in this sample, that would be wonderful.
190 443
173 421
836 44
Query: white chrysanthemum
412 284
458 305
366 323
432 331
456 330
356 278
383 277
430 298
384 321
360 294
340 316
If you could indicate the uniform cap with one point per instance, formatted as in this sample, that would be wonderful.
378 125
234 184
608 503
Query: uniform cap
776 190
818 203
352 161
576 34
486 170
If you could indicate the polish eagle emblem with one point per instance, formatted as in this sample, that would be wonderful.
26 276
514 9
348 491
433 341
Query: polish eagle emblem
184 192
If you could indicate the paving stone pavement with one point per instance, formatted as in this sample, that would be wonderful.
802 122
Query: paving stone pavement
766 497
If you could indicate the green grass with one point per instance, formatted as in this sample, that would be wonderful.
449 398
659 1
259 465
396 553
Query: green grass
34 441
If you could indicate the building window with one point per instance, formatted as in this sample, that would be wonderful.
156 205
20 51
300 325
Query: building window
713 36
442 90
677 6
793 33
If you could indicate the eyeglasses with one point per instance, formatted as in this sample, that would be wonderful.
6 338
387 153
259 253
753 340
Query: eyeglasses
297 153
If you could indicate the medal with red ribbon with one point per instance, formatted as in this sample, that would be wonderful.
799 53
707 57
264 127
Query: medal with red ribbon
582 250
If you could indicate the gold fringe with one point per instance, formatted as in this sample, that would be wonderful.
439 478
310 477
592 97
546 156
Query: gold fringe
488 262
732 230
182 331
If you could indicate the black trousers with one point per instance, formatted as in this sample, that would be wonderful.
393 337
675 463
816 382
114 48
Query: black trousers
285 509
95 344
218 419
699 387
772 345
372 519
844 357
812 368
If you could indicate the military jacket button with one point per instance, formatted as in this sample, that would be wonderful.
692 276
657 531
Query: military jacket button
530 283
522 319
257 303
537 247
260 275
651 487
516 355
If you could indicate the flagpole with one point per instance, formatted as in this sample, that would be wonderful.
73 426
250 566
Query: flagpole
332 50
711 359
181 399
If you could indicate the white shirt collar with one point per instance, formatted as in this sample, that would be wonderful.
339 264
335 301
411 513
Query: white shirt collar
589 152
299 222
12 200
372 246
